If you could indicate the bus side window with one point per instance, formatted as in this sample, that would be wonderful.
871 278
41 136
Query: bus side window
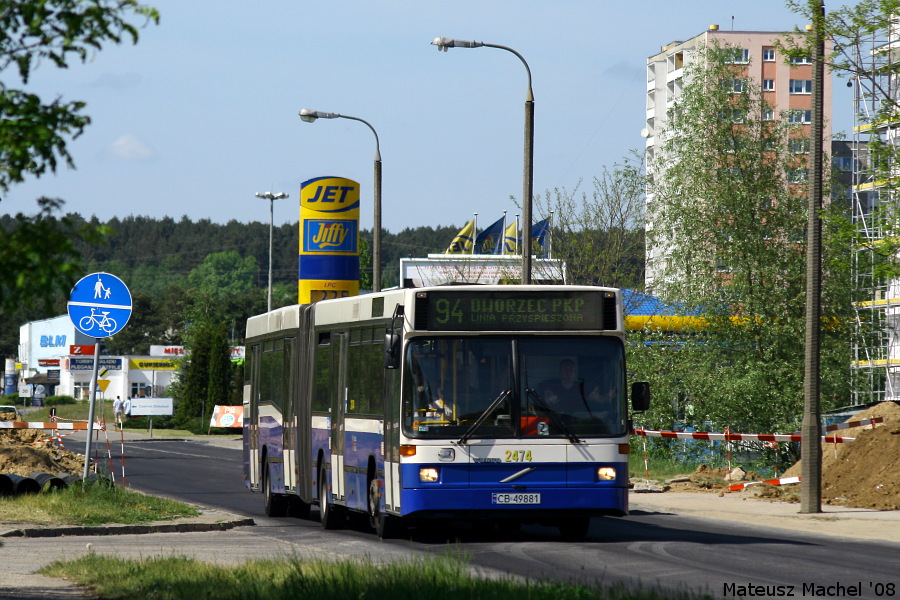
322 375
357 385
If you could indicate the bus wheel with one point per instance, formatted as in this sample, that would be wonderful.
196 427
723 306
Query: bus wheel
276 504
574 529
329 515
385 526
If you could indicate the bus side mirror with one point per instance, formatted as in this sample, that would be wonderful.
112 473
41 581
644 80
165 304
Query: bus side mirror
391 351
640 396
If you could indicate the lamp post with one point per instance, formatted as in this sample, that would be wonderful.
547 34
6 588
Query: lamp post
271 198
443 43
310 116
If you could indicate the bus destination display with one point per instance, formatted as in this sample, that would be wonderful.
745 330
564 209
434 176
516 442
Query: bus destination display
513 311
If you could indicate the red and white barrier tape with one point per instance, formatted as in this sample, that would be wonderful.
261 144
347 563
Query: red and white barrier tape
58 438
45 425
872 422
734 437
781 481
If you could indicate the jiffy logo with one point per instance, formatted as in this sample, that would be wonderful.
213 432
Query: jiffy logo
330 236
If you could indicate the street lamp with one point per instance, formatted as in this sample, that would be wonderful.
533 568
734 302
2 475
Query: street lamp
271 198
443 43
310 116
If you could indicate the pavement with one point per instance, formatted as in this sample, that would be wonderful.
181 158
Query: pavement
219 537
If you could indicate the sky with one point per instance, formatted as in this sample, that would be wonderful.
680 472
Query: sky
202 113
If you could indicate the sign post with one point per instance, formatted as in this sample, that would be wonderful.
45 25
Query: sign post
99 306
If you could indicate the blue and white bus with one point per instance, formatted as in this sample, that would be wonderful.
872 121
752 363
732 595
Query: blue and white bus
504 404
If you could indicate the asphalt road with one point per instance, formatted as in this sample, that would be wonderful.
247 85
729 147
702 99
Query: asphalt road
646 549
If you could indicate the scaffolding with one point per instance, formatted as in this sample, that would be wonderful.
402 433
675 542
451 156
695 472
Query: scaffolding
875 366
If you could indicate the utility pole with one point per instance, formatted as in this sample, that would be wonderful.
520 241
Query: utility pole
811 428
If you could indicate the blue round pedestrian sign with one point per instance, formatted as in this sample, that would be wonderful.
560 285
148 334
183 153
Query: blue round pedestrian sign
100 305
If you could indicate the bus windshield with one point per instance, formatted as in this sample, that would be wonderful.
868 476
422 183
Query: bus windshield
514 386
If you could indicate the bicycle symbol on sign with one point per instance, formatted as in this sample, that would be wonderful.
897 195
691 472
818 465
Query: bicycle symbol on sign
105 324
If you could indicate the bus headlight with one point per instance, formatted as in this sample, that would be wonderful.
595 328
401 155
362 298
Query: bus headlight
606 473
428 475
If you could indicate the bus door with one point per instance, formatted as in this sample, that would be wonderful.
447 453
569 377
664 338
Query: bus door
338 412
290 415
251 417
391 438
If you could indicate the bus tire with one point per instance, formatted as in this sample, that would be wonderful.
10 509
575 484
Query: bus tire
574 529
385 526
276 504
329 514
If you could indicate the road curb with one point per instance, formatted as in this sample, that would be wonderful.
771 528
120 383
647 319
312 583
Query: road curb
183 527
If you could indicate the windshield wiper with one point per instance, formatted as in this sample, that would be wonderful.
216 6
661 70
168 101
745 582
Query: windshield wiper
554 417
483 417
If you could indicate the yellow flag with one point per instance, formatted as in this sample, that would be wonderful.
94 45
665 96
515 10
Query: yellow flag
462 243
510 238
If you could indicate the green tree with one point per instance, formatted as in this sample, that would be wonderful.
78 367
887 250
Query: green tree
34 134
39 256
223 274
600 235
204 374
729 214
863 38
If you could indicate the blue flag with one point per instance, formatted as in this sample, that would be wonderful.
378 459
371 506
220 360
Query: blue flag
490 241
540 238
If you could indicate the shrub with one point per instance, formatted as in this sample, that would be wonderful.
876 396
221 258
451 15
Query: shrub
59 400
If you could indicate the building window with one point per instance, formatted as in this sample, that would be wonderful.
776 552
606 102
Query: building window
768 114
140 389
800 116
843 163
768 85
801 86
768 54
797 175
737 86
737 55
735 115
803 60
82 390
798 146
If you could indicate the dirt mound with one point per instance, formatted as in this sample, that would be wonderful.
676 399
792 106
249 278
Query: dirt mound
19 455
864 473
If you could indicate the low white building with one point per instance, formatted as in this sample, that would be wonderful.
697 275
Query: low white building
55 348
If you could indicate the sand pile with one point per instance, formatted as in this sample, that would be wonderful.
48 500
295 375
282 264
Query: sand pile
864 473
19 455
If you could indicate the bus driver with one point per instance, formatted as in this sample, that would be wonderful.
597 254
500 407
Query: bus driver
568 394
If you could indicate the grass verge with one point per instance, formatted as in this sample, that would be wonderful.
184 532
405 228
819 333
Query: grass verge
174 578
94 503
659 468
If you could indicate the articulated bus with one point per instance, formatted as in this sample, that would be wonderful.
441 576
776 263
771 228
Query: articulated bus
487 404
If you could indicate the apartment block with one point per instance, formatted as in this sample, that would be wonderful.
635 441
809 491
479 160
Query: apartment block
786 86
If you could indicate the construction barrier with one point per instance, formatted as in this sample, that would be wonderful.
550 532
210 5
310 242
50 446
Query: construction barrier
862 423
44 425
781 481
227 416
734 437
56 438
